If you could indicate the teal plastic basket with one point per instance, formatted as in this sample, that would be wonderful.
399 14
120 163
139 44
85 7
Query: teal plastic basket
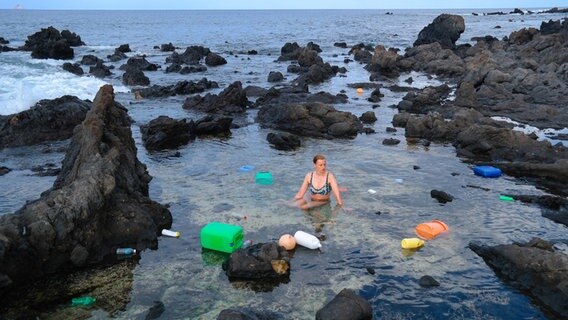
263 177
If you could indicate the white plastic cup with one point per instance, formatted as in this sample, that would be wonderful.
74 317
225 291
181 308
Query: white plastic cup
170 233
371 191
307 240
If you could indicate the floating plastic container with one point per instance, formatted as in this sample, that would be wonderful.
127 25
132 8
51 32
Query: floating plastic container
170 233
246 168
263 177
221 237
125 251
506 198
487 171
411 243
83 301
430 230
307 240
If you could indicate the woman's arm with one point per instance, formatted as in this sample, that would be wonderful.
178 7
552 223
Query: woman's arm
303 188
335 189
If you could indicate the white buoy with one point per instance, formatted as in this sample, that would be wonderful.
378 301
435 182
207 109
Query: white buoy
307 240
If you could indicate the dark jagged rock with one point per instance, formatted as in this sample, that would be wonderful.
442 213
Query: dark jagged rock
90 60
6 49
210 125
275 76
259 261
135 77
368 117
181 88
297 95
391 142
123 48
384 62
167 47
432 58
47 120
213 59
283 141
166 133
340 45
3 41
191 55
117 56
311 119
193 69
555 10
74 68
100 70
255 91
290 51
445 29
346 305
441 196
72 38
425 100
4 170
231 100
138 63
533 268
428 282
49 43
483 139
98 202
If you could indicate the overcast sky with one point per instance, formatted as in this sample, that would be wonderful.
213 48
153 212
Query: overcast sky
270 4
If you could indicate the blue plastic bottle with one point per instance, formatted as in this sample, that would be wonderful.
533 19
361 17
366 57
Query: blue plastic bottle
125 251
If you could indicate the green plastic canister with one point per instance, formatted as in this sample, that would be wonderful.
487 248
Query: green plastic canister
221 237
263 177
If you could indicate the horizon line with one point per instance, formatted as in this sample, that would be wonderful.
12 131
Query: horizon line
276 9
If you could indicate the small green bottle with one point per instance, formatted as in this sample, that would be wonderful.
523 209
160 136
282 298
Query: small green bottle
506 198
83 301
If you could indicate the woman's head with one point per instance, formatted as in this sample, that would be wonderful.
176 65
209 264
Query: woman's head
320 163
318 157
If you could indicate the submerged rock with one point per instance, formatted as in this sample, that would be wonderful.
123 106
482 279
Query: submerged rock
346 306
531 268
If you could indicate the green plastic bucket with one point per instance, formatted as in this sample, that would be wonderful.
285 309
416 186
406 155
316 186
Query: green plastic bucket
221 237
263 177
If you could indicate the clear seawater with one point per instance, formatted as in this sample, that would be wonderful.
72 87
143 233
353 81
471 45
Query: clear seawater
203 183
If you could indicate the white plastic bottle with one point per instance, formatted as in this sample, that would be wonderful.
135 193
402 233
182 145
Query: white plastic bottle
307 240
170 233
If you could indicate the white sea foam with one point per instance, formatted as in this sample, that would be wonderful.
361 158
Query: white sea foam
25 83
543 134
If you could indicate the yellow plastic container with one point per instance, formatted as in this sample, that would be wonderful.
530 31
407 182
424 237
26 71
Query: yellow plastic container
411 243
221 237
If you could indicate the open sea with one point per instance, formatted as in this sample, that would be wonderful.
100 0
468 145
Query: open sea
203 182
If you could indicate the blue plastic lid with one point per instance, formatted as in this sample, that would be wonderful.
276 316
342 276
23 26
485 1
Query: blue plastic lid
246 168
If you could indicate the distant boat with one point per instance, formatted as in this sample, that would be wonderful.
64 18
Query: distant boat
19 7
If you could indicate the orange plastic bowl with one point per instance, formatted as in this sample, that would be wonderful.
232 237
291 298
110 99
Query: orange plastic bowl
430 230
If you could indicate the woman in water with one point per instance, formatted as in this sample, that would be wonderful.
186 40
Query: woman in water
321 183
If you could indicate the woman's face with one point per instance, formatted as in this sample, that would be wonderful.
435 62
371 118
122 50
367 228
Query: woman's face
320 165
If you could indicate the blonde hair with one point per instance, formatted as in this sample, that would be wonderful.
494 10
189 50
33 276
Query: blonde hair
318 157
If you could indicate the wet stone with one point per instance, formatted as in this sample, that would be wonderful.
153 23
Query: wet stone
428 282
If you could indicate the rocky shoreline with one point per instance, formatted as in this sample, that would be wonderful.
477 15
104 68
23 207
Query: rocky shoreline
100 198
